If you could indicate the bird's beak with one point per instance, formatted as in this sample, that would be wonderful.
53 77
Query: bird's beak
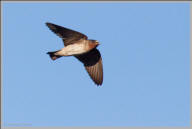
97 43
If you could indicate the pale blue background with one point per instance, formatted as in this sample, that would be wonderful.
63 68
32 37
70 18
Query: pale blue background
145 50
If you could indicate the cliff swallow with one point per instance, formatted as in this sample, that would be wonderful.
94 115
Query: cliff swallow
78 45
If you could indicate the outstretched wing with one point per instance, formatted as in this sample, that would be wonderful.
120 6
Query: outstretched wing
69 36
93 64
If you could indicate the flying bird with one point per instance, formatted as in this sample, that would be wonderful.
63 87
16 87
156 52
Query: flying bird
78 45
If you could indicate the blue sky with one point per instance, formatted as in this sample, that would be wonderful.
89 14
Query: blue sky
145 51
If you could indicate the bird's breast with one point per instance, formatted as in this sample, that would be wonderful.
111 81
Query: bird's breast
74 49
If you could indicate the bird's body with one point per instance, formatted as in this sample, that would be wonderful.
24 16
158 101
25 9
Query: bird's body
77 44
77 48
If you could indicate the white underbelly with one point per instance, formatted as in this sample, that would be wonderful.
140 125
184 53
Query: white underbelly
73 49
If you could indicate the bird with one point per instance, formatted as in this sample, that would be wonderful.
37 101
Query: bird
78 45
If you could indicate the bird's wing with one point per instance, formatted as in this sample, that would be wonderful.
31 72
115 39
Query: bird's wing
69 36
93 64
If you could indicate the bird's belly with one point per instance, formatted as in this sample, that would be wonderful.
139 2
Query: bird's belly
74 49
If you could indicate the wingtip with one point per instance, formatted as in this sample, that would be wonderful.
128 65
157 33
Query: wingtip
99 83
50 24
47 23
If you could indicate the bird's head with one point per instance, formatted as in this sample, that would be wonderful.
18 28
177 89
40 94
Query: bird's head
95 42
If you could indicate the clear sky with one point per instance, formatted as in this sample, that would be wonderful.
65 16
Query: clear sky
145 51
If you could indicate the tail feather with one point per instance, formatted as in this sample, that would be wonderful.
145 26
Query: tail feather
53 56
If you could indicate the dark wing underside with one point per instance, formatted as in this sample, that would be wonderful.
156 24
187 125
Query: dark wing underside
93 64
69 36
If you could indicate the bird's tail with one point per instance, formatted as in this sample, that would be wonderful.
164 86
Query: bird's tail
53 56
